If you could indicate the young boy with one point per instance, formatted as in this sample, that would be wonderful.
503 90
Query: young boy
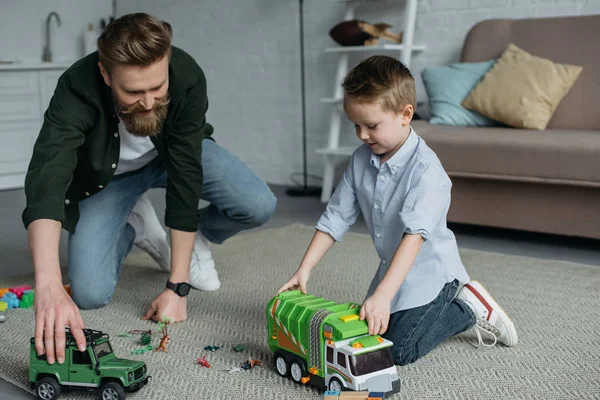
399 185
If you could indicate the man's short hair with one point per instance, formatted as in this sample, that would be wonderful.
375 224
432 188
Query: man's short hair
134 39
382 78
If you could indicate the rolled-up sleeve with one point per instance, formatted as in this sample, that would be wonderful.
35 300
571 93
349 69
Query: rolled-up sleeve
342 210
426 205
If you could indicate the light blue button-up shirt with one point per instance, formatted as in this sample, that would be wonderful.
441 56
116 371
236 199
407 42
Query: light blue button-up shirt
410 193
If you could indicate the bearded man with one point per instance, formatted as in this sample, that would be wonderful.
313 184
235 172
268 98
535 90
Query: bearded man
122 120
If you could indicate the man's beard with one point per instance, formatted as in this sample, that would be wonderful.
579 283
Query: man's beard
144 125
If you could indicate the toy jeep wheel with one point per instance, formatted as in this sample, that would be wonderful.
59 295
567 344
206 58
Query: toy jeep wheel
48 388
112 391
281 365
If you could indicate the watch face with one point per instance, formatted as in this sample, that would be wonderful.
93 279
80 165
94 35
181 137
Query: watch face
184 290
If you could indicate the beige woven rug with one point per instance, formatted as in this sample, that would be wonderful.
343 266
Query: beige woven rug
555 307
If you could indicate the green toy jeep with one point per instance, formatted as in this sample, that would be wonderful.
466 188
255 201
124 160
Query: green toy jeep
96 367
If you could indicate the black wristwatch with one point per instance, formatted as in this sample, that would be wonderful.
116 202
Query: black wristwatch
182 288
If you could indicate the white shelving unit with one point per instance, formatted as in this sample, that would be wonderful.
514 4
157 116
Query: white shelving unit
334 153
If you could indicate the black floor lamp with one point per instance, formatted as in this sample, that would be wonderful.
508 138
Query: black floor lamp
303 190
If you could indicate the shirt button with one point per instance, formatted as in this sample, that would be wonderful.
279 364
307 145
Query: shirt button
67 201
87 193
380 177
383 262
116 134
114 166
378 234
100 186
376 207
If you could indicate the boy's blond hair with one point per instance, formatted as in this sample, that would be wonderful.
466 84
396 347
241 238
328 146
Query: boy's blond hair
134 39
382 78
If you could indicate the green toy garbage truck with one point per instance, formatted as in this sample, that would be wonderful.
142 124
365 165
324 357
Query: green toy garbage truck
96 367
325 344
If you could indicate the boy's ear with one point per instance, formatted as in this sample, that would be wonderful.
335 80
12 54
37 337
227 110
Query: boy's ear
407 114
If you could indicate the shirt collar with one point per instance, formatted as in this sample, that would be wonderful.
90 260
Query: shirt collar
401 157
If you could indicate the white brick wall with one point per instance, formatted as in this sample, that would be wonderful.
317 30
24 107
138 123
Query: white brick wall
249 50
23 27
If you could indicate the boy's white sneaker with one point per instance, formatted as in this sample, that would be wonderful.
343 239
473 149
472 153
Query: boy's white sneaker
490 317
203 275
150 235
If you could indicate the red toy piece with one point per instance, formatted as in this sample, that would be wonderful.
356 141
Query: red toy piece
202 362
19 290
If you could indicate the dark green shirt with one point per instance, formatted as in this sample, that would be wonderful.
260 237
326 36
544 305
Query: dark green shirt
77 151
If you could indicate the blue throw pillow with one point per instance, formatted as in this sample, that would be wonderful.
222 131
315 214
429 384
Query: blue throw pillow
446 88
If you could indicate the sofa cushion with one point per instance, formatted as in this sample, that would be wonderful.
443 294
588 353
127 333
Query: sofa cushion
552 156
565 40
447 86
522 90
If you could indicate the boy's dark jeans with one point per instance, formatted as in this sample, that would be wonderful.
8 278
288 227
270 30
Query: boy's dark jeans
416 331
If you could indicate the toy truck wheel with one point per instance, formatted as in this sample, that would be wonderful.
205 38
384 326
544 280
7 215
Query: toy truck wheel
335 385
48 388
112 391
296 371
281 365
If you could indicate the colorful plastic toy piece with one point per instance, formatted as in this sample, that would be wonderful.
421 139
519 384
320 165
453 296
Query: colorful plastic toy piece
96 367
239 347
234 369
142 350
202 362
331 395
124 335
251 363
353 396
146 338
323 343
19 290
27 300
11 299
212 348
3 291
376 396
3 306
2 317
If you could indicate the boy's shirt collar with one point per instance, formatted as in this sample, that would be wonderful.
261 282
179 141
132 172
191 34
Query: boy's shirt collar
401 157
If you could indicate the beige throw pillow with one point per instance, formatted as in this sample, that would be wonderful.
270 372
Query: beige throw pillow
522 90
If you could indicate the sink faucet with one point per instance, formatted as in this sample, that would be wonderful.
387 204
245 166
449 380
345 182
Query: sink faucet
47 52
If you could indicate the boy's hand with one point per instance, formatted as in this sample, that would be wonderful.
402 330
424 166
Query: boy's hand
297 281
376 310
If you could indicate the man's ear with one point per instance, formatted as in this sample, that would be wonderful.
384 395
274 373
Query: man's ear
407 114
105 74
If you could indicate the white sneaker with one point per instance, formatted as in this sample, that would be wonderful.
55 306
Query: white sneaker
491 318
150 235
203 275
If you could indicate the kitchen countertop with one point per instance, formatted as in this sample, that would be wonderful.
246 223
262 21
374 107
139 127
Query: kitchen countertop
35 65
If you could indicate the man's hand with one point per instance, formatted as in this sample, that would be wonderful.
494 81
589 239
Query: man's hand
53 310
167 304
376 309
297 281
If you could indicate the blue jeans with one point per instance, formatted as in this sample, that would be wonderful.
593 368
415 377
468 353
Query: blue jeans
417 331
238 199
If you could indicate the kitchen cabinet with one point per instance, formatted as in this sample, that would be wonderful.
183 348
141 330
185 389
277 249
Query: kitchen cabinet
25 92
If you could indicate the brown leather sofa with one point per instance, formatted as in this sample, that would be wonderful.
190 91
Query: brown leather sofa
542 181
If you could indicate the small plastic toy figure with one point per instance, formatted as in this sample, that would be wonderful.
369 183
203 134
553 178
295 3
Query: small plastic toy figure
234 369
212 348
163 343
202 362
95 367
251 363
239 347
